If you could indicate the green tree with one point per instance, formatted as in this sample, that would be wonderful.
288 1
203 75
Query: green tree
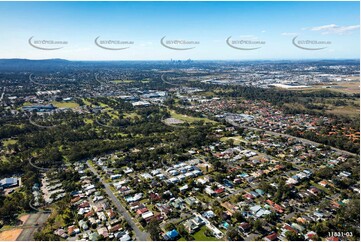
233 234
154 229
293 236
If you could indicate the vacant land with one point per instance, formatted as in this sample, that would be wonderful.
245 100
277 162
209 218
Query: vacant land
348 87
189 119
172 121
345 111
65 104
236 139
10 235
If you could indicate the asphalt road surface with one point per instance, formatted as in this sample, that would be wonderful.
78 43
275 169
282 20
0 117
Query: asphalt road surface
2 95
31 225
140 235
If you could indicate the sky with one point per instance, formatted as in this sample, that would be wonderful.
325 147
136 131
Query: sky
255 30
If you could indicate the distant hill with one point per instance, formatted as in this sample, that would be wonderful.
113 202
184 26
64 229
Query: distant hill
28 65
59 64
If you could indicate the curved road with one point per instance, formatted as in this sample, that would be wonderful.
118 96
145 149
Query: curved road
143 236
38 167
38 83
107 126
96 78
167 82
40 126
109 83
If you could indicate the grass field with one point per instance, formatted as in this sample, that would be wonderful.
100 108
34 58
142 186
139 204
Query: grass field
349 87
131 115
200 236
208 94
145 81
350 110
236 139
189 119
103 105
113 114
345 111
86 102
88 121
65 104
27 104
9 142
123 81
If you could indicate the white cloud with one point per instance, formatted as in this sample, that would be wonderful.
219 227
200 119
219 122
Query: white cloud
335 29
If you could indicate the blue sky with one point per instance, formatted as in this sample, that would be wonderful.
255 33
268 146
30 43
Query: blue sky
208 23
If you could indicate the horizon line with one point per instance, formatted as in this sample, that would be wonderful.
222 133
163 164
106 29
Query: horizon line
277 59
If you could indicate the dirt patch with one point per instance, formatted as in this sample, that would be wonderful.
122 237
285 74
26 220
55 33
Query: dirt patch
173 121
203 167
346 111
349 87
10 235
24 218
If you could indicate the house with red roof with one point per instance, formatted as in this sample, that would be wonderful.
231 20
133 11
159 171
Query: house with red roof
271 237
275 206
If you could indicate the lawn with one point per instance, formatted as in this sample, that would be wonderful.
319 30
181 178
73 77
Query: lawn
131 115
345 110
348 87
189 119
86 102
203 197
103 105
208 94
318 186
123 81
3 160
9 142
88 121
27 104
65 104
113 114
236 139
200 236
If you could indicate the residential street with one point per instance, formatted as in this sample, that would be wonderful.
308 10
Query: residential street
306 141
143 236
2 94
